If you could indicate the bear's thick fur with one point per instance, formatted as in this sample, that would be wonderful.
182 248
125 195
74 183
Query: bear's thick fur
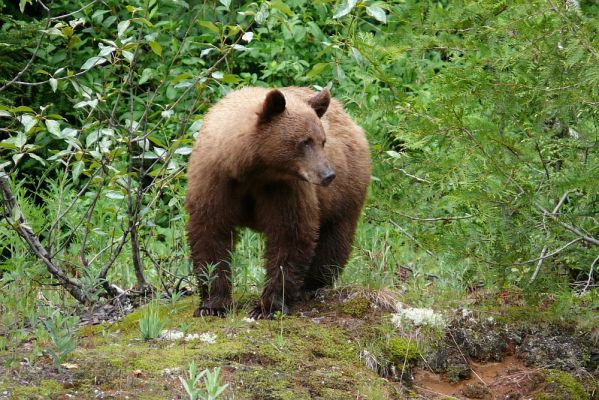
289 163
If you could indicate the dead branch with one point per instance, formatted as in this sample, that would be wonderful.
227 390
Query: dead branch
13 213
459 217
416 178
571 228
544 255
408 234
590 278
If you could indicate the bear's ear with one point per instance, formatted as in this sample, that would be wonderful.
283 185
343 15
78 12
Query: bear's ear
320 102
274 104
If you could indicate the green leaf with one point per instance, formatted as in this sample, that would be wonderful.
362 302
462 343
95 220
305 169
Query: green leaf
68 133
93 61
17 157
226 3
53 127
38 158
53 84
377 13
346 9
22 4
357 56
92 138
338 72
28 122
128 55
230 78
281 6
146 75
77 168
184 151
20 140
143 21
209 25
156 48
262 14
111 194
122 27
317 69
22 109
106 50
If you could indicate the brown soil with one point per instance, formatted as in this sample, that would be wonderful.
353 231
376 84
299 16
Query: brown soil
507 379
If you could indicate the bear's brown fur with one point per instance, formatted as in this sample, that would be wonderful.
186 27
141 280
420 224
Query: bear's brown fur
260 161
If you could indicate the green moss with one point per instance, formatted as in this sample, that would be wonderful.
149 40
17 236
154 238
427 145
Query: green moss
403 350
91 330
294 358
356 307
562 385
45 389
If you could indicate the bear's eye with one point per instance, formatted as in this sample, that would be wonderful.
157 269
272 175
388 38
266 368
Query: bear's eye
306 143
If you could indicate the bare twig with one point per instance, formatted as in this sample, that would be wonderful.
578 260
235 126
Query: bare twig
408 234
467 216
416 178
465 359
590 278
33 56
571 228
544 255
62 78
74 12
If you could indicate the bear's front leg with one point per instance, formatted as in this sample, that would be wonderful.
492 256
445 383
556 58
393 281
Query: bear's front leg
289 217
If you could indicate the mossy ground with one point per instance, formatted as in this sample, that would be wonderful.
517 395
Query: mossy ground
316 353
298 357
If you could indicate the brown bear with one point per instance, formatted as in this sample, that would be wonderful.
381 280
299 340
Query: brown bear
289 163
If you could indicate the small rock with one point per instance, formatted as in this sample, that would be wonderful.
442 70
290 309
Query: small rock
170 371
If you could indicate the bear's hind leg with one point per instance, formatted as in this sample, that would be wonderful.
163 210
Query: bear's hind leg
211 253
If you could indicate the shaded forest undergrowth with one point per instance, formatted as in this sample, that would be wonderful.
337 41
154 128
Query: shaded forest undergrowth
343 344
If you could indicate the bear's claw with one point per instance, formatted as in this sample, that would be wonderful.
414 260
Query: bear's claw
209 312
257 313
260 313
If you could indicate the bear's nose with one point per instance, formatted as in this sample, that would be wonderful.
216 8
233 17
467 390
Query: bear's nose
329 175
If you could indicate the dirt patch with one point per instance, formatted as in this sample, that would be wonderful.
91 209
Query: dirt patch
505 379
492 360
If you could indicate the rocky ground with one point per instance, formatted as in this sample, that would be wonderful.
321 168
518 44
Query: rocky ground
342 345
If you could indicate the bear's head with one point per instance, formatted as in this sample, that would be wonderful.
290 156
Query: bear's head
293 138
